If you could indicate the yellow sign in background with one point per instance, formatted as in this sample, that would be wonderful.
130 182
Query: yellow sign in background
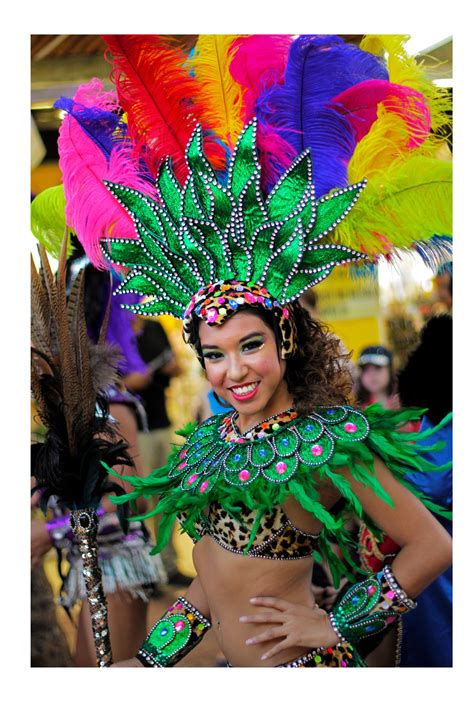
350 307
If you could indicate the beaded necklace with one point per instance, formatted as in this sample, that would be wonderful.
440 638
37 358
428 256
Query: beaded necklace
285 415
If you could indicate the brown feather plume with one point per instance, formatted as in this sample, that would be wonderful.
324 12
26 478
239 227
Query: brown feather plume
69 378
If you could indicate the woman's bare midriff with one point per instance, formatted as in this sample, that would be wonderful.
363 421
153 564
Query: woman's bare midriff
230 580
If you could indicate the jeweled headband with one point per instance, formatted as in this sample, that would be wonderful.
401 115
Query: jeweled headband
207 249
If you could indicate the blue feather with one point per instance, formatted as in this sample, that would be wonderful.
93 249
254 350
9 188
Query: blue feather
319 68
97 124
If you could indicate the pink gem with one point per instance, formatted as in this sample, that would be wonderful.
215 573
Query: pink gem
343 663
221 300
390 595
286 313
260 299
350 427
249 297
244 475
391 619
240 440
203 486
178 606
179 625
182 465
317 450
183 453
371 589
192 479
212 315
281 467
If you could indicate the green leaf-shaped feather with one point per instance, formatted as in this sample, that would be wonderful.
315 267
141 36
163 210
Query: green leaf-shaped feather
286 257
215 244
141 207
321 256
203 259
290 188
261 247
155 283
195 156
155 307
127 252
332 208
190 202
222 201
244 160
169 190
301 282
251 207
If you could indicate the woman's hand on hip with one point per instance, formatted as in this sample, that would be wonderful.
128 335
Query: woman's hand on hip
295 625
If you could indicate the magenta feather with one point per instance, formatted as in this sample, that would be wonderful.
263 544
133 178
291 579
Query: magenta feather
259 62
359 105
90 209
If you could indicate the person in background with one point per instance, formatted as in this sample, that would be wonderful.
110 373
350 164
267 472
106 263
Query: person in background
376 381
155 440
423 639
426 381
443 288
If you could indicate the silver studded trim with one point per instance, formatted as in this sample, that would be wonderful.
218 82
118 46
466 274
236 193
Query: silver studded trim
190 608
395 588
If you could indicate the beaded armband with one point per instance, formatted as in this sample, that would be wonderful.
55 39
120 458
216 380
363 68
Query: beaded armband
174 635
370 606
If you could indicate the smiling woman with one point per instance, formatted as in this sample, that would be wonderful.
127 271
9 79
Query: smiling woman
229 249
244 367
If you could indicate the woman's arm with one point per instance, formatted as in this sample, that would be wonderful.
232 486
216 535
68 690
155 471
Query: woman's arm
425 553
189 616
426 548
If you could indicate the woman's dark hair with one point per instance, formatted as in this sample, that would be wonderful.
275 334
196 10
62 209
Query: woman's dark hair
317 375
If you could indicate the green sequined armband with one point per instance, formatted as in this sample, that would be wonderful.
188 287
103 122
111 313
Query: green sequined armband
174 635
370 606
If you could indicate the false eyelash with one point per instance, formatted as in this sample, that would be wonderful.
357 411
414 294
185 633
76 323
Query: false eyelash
253 345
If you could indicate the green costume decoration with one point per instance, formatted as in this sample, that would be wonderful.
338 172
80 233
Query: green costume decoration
262 474
174 635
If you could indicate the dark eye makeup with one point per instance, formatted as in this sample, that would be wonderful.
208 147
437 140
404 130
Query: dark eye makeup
252 344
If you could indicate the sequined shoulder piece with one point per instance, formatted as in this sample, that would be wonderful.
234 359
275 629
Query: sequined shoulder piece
206 457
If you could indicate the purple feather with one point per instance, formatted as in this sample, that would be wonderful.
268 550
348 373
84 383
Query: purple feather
97 124
319 68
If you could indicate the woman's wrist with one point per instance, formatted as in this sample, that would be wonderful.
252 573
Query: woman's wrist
323 634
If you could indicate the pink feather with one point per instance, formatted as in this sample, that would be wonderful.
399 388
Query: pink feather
259 62
359 105
90 209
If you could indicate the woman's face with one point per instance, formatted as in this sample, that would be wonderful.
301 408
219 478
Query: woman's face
244 367
375 378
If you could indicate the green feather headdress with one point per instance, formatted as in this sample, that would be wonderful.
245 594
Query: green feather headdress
206 233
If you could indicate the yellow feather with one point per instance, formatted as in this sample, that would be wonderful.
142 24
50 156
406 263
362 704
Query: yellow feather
221 96
404 69
409 201
386 141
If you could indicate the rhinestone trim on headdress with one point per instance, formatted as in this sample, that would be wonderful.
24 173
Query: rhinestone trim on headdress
204 233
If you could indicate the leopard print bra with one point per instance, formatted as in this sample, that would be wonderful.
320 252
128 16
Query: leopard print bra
277 537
